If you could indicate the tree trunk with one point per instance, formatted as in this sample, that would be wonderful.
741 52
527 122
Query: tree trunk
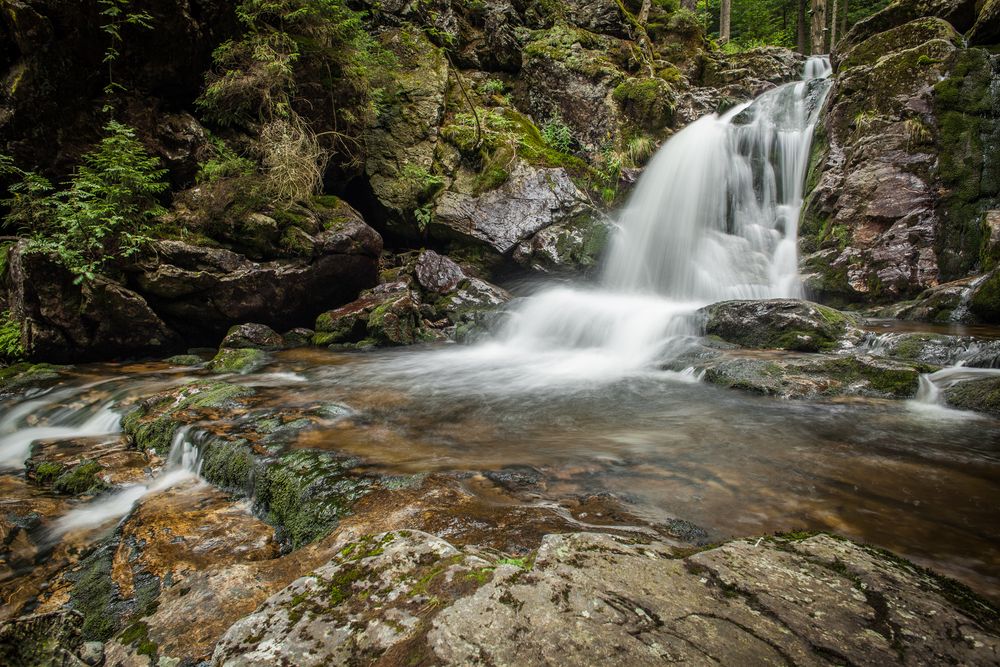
843 18
690 5
833 24
724 21
819 30
803 35
644 12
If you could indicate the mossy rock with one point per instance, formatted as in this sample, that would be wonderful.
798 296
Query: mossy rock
22 376
242 360
899 38
305 493
981 395
83 478
780 324
184 360
985 300
154 422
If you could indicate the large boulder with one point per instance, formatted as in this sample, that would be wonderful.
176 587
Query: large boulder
202 291
531 200
901 177
65 321
585 599
780 324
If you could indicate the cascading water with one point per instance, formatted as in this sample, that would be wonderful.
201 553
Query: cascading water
714 217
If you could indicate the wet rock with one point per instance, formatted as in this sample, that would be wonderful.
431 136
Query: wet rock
529 201
21 377
982 395
63 321
386 315
944 303
252 336
155 419
298 337
937 349
203 290
436 273
812 376
242 361
44 639
984 298
986 30
606 17
959 13
586 598
573 246
783 324
88 464
184 360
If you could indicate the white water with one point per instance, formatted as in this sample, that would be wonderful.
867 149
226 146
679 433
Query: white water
929 399
49 417
714 217
183 464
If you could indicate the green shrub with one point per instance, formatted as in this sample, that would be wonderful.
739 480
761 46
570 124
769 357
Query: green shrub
10 337
558 135
224 164
105 212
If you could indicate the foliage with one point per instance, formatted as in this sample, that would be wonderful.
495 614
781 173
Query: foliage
492 87
118 14
558 135
225 163
298 58
10 337
105 212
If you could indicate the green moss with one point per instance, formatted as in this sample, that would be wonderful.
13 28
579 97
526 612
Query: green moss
891 381
228 465
184 360
80 479
648 102
46 472
985 301
900 38
93 595
981 395
243 360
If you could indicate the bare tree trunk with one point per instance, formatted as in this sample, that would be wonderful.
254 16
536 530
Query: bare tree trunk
818 27
843 19
833 24
803 35
725 16
690 5
644 12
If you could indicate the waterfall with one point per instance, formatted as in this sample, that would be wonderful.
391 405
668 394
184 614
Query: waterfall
183 464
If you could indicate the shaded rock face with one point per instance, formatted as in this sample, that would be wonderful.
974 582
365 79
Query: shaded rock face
901 179
51 63
201 291
593 598
44 639
785 324
62 321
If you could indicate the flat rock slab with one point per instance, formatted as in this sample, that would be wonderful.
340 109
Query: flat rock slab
594 599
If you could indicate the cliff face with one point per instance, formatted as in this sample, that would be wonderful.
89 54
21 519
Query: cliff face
904 169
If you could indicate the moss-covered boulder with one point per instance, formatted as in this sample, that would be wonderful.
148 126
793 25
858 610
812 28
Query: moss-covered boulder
19 377
389 314
780 324
252 336
981 395
154 421
241 360
571 247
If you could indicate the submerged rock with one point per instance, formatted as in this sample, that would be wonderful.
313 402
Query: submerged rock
780 324
582 599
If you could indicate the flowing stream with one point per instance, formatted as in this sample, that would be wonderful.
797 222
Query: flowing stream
568 395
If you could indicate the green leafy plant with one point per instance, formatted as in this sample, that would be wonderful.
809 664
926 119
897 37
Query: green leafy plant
558 135
104 213
423 216
118 14
10 337
492 87
225 163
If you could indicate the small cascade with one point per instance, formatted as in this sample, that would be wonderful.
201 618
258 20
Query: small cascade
933 384
57 415
183 464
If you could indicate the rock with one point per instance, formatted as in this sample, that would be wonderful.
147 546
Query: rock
240 361
586 598
401 147
252 336
984 299
43 640
986 30
944 303
298 337
184 360
202 291
780 324
62 321
436 273
900 182
574 246
23 376
811 376
606 17
92 653
937 349
530 200
386 315
982 395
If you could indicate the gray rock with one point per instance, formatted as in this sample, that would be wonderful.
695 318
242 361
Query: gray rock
587 599
571 246
436 273
531 200
785 324
43 640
